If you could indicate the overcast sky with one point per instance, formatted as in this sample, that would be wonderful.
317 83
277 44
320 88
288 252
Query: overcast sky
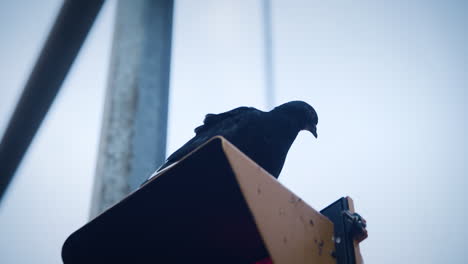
387 78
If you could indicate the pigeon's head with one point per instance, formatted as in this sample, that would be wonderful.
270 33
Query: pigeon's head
302 114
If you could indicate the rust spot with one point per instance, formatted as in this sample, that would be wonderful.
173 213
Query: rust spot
320 247
282 212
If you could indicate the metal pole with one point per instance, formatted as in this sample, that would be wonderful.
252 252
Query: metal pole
133 137
268 54
63 43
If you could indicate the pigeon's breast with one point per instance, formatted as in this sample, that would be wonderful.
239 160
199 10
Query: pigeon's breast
263 145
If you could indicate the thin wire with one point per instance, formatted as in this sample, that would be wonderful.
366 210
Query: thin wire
268 55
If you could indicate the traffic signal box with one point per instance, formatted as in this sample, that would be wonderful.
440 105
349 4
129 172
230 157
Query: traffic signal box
217 206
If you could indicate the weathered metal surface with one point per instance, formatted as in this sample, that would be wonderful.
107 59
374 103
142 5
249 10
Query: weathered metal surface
133 137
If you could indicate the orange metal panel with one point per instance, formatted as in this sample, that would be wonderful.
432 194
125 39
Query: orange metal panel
293 231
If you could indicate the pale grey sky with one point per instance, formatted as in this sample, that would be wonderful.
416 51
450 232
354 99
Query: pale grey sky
388 80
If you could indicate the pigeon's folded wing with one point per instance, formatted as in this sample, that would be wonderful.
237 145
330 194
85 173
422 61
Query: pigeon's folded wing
213 119
213 125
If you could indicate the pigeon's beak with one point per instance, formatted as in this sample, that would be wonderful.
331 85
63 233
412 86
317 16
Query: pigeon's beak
314 131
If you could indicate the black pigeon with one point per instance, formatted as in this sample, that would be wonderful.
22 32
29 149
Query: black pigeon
263 136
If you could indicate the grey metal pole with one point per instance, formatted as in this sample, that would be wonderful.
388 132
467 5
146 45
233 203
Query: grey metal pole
133 136
268 54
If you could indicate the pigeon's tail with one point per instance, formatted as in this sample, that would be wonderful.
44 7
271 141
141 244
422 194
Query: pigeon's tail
161 169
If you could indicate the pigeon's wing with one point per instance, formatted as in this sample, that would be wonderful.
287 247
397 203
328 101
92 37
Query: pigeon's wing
184 150
213 125
212 120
